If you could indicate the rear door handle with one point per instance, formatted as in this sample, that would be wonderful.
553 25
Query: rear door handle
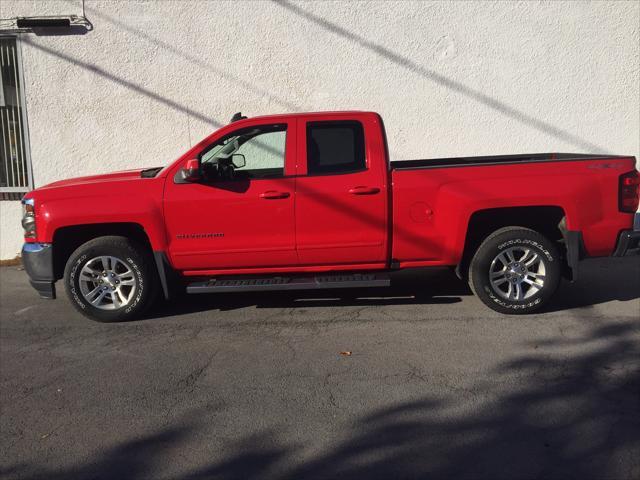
364 190
273 195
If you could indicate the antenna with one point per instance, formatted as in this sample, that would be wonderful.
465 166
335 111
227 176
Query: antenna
237 116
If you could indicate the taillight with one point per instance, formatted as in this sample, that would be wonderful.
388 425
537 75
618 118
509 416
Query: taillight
629 193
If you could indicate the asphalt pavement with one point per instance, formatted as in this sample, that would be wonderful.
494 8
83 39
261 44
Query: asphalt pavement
417 381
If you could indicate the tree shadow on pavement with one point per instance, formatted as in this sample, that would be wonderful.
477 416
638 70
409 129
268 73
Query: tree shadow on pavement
574 412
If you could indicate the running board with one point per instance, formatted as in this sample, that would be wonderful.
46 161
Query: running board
227 284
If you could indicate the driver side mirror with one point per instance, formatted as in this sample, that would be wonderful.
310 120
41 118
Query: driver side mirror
238 160
191 171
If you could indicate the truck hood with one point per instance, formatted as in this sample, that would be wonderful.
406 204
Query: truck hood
104 178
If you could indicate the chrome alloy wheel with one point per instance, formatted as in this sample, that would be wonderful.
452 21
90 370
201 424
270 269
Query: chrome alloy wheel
107 283
517 273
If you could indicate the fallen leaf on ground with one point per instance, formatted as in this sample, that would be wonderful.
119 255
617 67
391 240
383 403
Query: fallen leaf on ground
345 354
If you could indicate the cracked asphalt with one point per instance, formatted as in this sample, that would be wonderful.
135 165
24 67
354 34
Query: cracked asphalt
242 386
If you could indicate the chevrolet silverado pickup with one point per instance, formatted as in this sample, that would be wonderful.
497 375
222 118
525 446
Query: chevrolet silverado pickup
311 200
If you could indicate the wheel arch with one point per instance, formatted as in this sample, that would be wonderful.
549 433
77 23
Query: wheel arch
549 220
67 239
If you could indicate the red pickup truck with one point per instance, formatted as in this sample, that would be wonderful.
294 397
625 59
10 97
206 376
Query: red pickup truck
311 200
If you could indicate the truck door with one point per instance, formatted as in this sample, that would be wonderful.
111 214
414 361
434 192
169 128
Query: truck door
341 197
242 212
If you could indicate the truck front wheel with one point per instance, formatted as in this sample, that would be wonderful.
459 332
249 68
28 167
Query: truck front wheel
110 279
515 270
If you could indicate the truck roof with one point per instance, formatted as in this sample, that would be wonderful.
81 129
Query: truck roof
315 114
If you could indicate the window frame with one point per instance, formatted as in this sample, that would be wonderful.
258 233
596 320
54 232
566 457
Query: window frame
285 127
309 123
15 193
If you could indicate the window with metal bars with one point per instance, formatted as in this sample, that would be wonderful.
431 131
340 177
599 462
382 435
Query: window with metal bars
15 165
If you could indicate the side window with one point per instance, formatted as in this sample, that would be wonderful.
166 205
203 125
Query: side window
254 152
335 147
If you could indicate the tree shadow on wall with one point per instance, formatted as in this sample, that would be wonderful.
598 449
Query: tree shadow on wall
574 412
385 53
437 78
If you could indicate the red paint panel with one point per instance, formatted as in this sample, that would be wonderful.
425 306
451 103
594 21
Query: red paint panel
588 195
113 198
210 226
342 218
236 223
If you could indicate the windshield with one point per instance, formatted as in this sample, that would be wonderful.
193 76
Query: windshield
254 152
223 150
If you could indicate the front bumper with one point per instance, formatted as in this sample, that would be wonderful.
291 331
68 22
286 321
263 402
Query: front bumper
629 240
37 259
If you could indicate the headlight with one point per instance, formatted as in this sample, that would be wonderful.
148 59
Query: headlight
28 218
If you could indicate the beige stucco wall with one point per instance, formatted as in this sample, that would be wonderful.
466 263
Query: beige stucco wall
449 78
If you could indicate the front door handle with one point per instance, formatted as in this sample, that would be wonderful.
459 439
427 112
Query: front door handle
273 195
364 190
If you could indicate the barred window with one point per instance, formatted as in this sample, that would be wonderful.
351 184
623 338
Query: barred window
15 168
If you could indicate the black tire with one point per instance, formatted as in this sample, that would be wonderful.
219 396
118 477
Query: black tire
134 256
500 242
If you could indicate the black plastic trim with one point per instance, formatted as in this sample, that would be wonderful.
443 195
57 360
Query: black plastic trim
45 289
493 160
162 264
575 250
628 244
37 259
150 172
26 22
278 282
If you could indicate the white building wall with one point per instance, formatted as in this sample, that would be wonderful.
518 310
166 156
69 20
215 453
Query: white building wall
449 78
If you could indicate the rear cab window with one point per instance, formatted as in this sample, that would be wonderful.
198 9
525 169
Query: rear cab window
335 147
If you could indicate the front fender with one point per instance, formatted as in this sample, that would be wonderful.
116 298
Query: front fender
138 202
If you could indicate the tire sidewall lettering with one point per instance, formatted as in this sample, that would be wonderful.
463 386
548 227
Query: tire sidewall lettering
513 306
73 283
141 285
526 241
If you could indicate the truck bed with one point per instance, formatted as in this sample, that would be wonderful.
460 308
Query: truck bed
496 160
433 204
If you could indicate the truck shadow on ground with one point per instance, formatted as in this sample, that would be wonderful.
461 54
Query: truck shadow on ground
600 280
415 287
574 412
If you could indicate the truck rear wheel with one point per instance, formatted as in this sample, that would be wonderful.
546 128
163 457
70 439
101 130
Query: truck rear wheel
515 270
110 279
